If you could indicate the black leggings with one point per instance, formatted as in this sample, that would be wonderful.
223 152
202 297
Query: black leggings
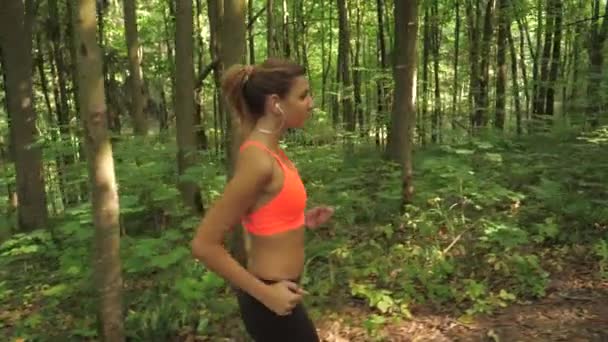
263 325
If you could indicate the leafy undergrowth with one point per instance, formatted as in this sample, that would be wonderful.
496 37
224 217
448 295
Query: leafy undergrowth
494 225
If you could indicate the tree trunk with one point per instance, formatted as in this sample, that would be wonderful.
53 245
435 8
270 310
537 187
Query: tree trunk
515 86
380 83
271 38
426 33
233 51
344 67
250 39
286 44
555 57
473 18
455 109
501 63
541 95
597 38
215 10
436 41
184 102
357 71
404 111
201 137
522 65
16 38
135 73
106 260
481 115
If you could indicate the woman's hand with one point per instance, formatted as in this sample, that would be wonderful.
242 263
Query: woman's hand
318 216
282 297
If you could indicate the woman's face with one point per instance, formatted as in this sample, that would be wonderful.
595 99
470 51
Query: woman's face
297 104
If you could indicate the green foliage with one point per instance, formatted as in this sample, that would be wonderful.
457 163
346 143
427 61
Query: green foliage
601 251
473 240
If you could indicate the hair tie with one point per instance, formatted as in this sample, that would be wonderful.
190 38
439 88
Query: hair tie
248 71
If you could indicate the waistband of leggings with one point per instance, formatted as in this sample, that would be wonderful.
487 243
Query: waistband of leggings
274 281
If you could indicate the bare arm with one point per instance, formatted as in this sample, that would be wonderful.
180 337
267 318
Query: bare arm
252 174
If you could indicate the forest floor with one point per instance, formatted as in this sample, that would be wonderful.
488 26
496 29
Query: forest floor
528 226
575 309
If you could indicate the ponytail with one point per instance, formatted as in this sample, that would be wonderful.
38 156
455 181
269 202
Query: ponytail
232 86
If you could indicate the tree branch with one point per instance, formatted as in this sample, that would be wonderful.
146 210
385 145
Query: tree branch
213 65
255 17
205 72
605 16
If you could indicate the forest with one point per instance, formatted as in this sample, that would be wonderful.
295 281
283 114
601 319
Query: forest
459 141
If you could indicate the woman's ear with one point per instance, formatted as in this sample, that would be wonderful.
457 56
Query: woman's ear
273 104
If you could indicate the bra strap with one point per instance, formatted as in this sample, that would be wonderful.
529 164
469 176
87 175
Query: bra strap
263 147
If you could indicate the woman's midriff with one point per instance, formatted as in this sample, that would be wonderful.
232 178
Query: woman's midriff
277 256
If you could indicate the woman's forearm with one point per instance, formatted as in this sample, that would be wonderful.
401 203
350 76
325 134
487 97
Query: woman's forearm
217 259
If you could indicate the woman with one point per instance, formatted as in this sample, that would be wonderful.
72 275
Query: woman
267 196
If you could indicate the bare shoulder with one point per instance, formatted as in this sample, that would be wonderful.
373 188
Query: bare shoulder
253 164
252 173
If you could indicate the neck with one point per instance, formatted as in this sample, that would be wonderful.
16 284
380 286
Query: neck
271 128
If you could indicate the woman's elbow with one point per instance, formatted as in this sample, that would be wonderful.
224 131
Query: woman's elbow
199 251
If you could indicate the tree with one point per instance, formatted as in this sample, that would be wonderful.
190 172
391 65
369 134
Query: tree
135 73
404 72
184 102
16 21
233 51
501 67
344 77
271 38
106 256
597 37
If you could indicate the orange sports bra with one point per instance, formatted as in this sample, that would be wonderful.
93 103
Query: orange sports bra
286 210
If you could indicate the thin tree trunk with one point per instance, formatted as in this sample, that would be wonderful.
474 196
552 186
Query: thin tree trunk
357 71
481 115
536 81
501 63
404 109
105 202
455 109
286 44
597 38
555 57
184 102
271 39
233 51
201 137
426 32
250 32
215 9
380 83
436 41
135 73
474 18
514 80
344 67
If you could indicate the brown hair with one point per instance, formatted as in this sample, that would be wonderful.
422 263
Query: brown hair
246 87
